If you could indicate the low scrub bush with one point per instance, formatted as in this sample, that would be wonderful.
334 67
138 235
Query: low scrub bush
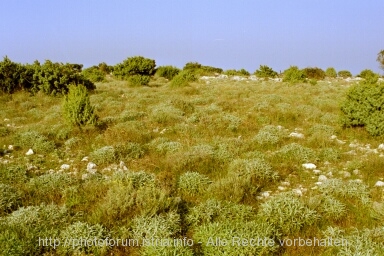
314 73
344 74
369 76
81 230
36 141
351 189
168 72
104 155
287 213
12 174
201 70
77 108
10 199
22 229
294 75
356 242
137 65
270 135
296 153
94 74
183 79
331 72
139 80
193 183
265 72
252 169
363 107
234 72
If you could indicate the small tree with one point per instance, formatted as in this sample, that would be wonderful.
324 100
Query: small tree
344 74
265 72
294 75
77 107
330 72
369 76
314 73
137 65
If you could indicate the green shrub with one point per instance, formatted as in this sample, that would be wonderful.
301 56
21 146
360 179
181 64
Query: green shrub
104 155
314 73
77 107
363 107
369 76
139 80
183 78
21 230
10 199
234 72
168 72
36 141
201 70
137 65
193 183
232 232
351 189
287 213
344 74
294 75
297 153
270 134
12 174
130 150
159 226
10 76
252 169
81 230
94 74
48 187
330 72
265 72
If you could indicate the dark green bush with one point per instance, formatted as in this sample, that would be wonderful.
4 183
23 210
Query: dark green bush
330 72
364 107
12 76
168 72
138 80
369 76
137 65
54 78
201 70
344 74
294 75
314 73
94 74
77 107
234 72
183 79
265 72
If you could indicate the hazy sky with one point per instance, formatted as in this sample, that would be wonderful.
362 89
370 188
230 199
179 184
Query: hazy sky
345 34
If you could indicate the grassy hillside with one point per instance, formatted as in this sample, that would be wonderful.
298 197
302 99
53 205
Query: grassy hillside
214 160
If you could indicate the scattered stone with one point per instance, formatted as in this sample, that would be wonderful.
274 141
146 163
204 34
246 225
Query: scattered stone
285 183
356 172
6 120
330 174
315 187
297 135
318 183
379 184
322 178
309 166
340 141
316 171
10 147
84 176
297 191
85 159
358 181
29 152
381 146
281 188
65 167
91 167
265 194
